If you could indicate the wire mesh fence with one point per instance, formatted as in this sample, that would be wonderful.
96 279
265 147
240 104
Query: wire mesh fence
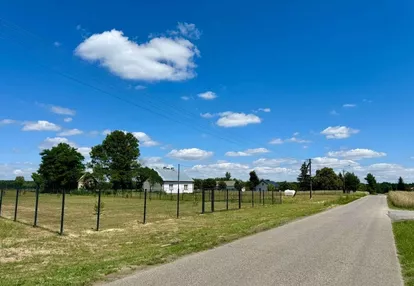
83 212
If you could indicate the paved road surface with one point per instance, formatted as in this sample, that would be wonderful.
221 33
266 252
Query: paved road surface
347 245
400 215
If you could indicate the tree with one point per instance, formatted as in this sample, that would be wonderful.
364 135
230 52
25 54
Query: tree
141 175
283 186
327 179
304 177
89 181
254 180
351 182
19 182
222 186
198 184
209 184
238 185
38 180
154 178
61 167
117 158
371 183
228 176
341 178
401 184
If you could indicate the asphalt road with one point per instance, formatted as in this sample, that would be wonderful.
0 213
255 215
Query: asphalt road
347 245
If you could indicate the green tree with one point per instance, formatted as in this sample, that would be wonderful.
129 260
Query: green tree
89 181
154 178
238 185
371 183
271 188
351 182
141 175
401 184
117 158
304 178
19 182
61 167
254 180
283 186
342 180
198 184
38 180
222 185
228 176
327 179
209 184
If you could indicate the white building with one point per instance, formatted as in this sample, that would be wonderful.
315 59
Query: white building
170 182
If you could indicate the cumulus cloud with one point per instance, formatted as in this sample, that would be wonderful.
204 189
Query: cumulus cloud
263 110
248 152
191 154
275 162
106 132
161 58
189 30
40 125
207 115
144 139
154 162
218 170
335 163
208 95
50 142
9 171
356 154
278 141
233 119
62 110
67 119
339 132
71 132
85 151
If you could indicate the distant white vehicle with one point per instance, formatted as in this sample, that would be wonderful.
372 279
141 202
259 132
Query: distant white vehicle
290 193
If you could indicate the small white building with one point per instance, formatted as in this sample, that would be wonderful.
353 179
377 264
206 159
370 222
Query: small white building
170 183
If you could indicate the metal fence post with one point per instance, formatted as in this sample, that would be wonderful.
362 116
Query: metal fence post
273 197
203 200
1 199
240 199
98 215
227 199
36 207
62 215
212 200
263 200
145 206
16 204
280 196
252 198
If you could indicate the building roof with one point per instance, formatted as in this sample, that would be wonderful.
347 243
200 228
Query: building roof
171 175
228 183
269 182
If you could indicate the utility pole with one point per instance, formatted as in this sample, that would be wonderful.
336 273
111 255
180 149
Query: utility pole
310 177
178 193
343 178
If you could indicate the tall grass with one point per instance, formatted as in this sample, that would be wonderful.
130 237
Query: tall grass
401 199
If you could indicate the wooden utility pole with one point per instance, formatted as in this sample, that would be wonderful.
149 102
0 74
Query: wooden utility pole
310 177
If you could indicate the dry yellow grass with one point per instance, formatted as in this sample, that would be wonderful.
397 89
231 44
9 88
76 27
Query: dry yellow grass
401 199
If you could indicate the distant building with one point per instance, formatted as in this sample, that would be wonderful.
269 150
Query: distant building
229 185
264 185
170 183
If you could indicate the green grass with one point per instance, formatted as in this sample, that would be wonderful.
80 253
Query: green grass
404 237
34 256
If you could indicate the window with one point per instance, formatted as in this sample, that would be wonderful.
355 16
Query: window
185 187
171 186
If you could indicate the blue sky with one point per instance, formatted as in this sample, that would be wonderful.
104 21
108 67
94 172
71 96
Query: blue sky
215 86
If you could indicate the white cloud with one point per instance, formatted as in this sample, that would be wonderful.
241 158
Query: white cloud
276 141
189 30
207 115
7 121
349 105
321 162
154 162
62 110
140 87
339 132
57 44
333 112
274 162
190 154
232 119
11 170
67 119
356 154
41 125
106 132
18 172
144 139
248 152
85 151
208 95
185 97
218 169
70 132
52 142
158 59
264 110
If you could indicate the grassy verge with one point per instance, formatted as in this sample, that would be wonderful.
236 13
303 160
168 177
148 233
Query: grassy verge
33 256
401 200
404 237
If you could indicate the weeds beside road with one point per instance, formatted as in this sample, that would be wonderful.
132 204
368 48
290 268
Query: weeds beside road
401 200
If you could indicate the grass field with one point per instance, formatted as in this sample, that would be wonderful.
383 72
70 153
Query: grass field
404 237
401 200
34 256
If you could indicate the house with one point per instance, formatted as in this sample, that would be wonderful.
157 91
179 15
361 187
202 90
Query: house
170 183
264 185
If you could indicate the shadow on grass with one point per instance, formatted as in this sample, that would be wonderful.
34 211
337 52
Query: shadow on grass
31 225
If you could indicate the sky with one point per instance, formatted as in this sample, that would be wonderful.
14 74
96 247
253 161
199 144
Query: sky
215 87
